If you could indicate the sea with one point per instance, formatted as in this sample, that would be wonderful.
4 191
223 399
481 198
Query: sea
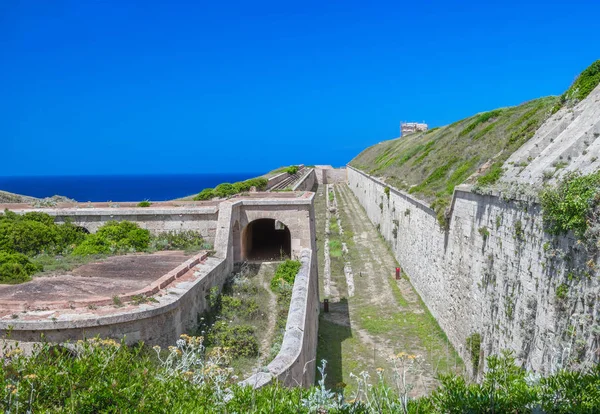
119 187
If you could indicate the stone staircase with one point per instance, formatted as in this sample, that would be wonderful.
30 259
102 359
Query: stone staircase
289 181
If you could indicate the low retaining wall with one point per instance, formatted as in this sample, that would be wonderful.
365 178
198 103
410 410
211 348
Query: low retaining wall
335 175
276 179
156 220
156 323
295 364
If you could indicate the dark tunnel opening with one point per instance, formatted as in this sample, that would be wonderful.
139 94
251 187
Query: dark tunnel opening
266 239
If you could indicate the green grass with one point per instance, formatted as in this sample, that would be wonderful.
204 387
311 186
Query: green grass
56 263
431 164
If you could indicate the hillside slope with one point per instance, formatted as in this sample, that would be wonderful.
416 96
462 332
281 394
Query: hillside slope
568 141
6 197
432 163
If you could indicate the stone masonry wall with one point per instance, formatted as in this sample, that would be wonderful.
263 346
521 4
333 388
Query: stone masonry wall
157 220
495 272
307 182
335 175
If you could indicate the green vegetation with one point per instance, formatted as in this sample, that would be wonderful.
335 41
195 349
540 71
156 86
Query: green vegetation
562 291
581 87
16 268
33 242
225 190
485 233
431 164
474 348
571 205
115 237
292 170
285 274
145 203
492 175
106 376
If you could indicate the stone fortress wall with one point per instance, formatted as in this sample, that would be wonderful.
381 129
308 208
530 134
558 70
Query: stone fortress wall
326 174
495 273
181 303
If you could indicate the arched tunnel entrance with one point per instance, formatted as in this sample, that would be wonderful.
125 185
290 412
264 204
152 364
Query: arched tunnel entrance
266 239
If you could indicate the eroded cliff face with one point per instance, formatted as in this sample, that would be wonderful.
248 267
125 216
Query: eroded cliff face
568 141
494 274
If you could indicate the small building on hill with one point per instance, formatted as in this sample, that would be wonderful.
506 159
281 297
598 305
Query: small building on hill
410 127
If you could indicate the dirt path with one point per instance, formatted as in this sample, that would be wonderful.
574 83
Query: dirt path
264 276
383 318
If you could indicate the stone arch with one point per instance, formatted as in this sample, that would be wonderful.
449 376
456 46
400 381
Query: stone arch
266 239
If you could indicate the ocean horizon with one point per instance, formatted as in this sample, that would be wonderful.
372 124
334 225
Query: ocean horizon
153 187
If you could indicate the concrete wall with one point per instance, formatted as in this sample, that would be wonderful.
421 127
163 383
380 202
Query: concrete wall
161 323
155 219
335 175
276 179
295 364
502 286
307 182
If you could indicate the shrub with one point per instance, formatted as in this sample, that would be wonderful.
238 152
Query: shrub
474 348
562 291
27 236
568 206
240 339
145 203
292 170
124 235
16 268
69 236
285 274
224 190
206 194
93 244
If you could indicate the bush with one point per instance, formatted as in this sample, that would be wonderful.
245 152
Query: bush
285 274
124 236
291 170
115 237
145 203
239 338
92 245
27 236
224 190
206 194
178 240
16 268
568 206
69 236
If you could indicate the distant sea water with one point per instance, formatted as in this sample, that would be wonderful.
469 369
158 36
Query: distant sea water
119 187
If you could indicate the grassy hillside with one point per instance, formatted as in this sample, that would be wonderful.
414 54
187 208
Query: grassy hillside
432 163
6 197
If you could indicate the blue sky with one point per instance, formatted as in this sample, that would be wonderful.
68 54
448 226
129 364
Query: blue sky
119 87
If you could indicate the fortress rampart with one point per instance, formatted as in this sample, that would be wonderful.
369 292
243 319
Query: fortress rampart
494 273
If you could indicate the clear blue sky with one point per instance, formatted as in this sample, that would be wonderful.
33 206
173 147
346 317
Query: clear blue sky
110 87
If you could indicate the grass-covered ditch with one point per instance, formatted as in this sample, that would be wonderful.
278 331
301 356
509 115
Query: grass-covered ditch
32 243
247 318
